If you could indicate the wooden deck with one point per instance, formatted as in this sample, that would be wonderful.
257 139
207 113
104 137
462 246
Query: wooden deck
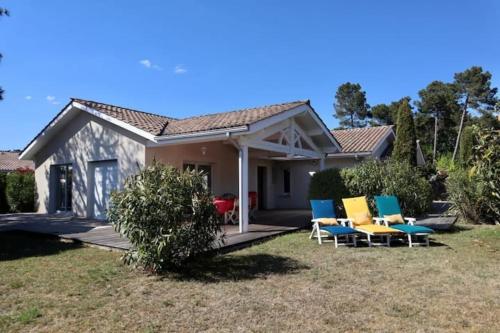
101 234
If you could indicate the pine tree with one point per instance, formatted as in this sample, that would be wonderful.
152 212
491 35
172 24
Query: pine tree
405 147
350 105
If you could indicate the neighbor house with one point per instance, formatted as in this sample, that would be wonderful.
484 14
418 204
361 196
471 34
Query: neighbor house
9 161
90 148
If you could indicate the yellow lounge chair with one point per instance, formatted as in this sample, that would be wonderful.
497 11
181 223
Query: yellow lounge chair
361 219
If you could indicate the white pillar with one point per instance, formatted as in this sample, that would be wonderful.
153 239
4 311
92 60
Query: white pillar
243 187
322 164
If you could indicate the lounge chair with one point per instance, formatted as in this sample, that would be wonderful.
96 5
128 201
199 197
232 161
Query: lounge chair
358 213
325 223
389 209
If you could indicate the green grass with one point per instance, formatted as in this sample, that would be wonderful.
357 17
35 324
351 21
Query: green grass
286 284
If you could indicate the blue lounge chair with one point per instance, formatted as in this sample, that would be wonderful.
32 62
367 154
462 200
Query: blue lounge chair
389 209
325 223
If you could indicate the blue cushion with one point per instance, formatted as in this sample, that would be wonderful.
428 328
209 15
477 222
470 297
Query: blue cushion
338 230
322 208
412 229
387 205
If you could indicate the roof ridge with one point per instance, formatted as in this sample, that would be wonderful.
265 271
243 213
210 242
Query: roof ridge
306 101
122 107
361 128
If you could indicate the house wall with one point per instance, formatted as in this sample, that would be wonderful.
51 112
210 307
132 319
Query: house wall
84 139
223 157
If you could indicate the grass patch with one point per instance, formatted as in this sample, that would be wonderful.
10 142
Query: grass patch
29 315
287 284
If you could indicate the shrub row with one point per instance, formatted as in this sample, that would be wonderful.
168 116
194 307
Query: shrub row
17 191
374 178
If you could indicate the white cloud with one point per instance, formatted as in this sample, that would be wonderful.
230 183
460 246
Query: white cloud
149 64
28 98
180 69
52 100
146 63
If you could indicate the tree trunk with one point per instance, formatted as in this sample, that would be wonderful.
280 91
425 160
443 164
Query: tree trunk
435 139
460 128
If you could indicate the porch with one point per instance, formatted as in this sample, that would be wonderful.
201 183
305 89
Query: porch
100 234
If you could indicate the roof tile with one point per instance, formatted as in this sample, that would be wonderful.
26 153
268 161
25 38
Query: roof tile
9 161
357 140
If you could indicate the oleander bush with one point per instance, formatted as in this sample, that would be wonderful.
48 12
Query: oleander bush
4 206
475 192
390 177
167 215
20 191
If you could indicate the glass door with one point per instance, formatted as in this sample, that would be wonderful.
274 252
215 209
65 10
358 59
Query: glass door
64 184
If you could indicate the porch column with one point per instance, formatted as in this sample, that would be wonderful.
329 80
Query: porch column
243 187
322 163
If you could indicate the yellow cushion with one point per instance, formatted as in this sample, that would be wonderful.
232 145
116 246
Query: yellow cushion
327 221
394 219
362 218
375 229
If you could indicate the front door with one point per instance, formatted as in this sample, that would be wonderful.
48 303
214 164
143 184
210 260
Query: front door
261 187
104 180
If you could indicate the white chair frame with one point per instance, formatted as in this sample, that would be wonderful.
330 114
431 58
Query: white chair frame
318 233
411 243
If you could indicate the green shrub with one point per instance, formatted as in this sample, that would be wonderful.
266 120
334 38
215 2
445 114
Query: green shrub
167 215
328 184
475 192
464 193
391 178
20 191
446 164
4 206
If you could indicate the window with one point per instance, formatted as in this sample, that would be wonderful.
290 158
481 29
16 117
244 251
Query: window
286 181
206 169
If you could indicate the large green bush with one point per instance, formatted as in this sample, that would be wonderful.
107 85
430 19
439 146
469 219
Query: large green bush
328 184
21 191
391 178
475 192
405 146
4 206
167 215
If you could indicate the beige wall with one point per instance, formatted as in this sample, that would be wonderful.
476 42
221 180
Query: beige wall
223 158
85 139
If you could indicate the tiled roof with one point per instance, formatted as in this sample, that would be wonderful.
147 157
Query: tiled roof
357 140
162 125
149 122
228 119
9 161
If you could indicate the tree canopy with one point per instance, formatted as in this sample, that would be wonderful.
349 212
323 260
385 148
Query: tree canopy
351 108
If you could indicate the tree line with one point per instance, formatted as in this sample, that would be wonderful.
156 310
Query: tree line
437 118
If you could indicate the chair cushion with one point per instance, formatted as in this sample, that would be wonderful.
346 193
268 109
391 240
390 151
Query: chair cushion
394 219
338 230
412 229
361 219
327 221
376 229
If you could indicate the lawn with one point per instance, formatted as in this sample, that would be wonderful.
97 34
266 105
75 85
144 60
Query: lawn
286 284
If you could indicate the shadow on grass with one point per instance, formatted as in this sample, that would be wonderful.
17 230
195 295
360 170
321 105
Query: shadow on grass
237 267
21 244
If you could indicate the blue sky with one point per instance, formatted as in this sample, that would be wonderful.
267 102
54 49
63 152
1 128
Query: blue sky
182 58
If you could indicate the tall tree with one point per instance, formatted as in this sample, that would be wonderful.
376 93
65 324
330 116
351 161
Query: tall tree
405 146
436 119
387 114
350 105
3 12
474 90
